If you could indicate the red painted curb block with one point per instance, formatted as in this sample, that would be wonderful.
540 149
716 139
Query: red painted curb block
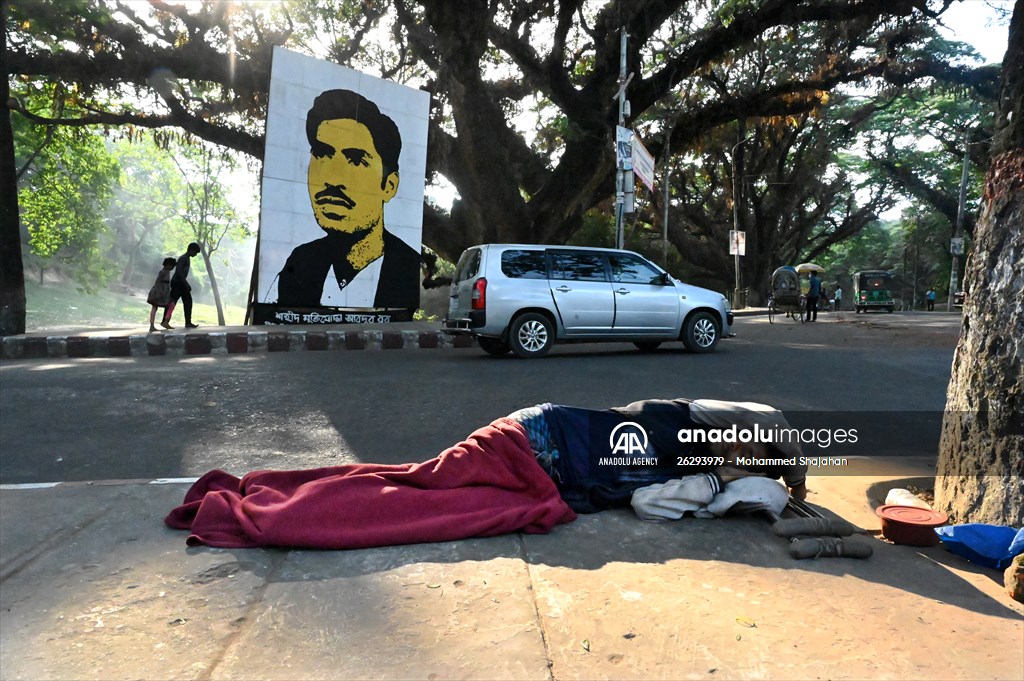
78 346
391 340
119 347
354 340
428 340
197 344
237 343
316 340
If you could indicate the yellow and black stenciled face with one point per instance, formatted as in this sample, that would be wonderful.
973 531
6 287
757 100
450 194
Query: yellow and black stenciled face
345 183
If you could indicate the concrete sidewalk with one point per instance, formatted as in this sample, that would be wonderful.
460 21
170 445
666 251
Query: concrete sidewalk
94 586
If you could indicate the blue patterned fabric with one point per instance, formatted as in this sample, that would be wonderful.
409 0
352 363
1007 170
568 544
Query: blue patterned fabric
535 424
582 436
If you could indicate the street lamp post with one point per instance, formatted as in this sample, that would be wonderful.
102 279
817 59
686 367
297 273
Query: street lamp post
736 218
954 272
623 179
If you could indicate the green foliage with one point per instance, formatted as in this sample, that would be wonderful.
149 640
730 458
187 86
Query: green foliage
598 229
209 215
144 217
871 248
67 186
94 209
919 255
721 69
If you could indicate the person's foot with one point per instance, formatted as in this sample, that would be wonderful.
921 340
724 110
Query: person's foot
191 326
152 329
166 325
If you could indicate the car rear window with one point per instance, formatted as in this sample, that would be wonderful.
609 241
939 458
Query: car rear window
524 264
469 265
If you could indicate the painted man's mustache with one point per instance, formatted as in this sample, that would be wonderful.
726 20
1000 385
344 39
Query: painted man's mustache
333 195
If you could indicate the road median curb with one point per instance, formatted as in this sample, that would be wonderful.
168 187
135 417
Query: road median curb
219 343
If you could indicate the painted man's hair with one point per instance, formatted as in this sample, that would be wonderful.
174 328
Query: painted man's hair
344 104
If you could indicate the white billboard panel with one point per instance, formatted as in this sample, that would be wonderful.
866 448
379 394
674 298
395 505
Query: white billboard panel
342 198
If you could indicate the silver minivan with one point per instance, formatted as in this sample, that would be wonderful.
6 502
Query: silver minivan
523 299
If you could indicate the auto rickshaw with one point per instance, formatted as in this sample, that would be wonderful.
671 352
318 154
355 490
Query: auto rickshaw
872 290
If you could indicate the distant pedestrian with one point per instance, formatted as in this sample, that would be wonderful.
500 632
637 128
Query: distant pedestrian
181 289
813 293
930 298
160 294
839 299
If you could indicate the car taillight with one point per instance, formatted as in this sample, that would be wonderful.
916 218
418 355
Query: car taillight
479 294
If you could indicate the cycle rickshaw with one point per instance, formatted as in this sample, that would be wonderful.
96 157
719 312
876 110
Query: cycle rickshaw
786 297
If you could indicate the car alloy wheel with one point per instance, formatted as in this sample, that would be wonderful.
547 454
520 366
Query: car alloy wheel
531 335
702 333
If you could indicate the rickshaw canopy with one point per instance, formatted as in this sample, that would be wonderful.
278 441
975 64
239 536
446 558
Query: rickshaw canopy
808 267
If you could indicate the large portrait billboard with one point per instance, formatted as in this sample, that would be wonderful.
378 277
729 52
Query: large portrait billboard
342 198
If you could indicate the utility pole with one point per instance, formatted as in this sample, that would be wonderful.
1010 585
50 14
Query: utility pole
917 260
736 216
623 179
664 220
957 243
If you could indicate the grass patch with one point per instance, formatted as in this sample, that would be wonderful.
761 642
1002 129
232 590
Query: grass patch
59 304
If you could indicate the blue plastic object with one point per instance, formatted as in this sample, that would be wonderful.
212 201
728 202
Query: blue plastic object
993 546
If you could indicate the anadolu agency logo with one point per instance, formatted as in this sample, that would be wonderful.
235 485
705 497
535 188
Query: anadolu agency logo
628 439
628 445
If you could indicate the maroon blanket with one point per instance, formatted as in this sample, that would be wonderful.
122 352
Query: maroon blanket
489 484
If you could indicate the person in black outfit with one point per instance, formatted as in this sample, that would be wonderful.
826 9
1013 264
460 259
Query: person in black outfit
353 172
181 289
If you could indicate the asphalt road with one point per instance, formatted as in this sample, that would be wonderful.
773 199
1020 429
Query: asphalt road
150 417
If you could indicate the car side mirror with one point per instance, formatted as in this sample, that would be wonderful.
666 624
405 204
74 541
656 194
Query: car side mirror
664 279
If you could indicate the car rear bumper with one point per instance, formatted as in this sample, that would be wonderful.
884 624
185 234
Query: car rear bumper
464 325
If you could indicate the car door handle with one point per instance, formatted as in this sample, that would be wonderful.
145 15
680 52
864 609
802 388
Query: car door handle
563 289
622 291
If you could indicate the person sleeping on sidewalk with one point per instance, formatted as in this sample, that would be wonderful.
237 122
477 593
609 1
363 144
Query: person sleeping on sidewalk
529 472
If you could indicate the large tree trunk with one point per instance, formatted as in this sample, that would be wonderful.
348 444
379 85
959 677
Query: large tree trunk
12 269
981 451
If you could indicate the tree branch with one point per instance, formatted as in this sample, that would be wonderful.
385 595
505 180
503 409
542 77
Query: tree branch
232 138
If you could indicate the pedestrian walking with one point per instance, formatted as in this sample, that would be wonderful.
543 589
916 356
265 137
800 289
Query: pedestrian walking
839 298
930 299
160 294
181 289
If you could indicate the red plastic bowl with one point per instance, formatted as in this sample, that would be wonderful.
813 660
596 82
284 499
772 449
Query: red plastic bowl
910 525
